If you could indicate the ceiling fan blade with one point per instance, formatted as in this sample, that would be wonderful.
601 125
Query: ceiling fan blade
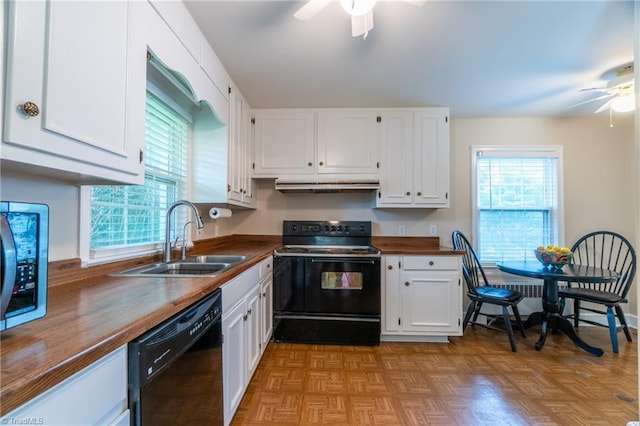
418 3
361 25
592 100
310 9
604 107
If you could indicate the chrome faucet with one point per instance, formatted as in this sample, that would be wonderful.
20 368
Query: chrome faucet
167 237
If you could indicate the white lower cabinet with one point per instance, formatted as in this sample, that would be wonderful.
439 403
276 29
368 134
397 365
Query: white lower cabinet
243 321
96 395
422 298
266 302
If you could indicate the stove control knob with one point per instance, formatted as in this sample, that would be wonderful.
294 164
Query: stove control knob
346 228
339 228
326 228
333 229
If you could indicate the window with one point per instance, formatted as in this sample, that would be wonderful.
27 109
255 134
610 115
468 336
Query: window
516 201
128 220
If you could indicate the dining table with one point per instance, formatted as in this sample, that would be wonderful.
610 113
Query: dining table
551 314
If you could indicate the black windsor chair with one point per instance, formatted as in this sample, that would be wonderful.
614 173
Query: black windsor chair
608 250
480 292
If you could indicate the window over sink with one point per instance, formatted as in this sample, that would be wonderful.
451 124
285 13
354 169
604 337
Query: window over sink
123 221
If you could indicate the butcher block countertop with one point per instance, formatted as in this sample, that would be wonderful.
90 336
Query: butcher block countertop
90 314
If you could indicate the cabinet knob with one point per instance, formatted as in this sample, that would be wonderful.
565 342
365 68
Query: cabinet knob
390 267
321 163
249 312
406 283
419 193
408 193
30 109
431 263
309 164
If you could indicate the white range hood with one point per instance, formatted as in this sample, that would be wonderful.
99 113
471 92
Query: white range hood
326 186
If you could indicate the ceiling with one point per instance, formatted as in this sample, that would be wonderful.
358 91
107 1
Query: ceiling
479 58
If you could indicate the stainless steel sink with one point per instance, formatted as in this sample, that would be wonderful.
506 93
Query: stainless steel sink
204 265
217 258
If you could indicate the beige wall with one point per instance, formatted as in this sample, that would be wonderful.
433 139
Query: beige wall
599 186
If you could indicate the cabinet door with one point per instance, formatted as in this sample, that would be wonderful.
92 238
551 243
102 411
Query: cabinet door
234 353
396 158
392 304
236 149
283 143
246 153
254 338
347 142
267 311
77 401
431 156
71 59
430 301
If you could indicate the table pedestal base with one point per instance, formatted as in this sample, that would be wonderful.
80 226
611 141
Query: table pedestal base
557 322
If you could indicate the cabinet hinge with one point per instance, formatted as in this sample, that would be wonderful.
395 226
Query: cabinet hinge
379 194
459 282
399 265
458 322
377 164
228 188
253 166
379 119
399 323
446 195
141 156
222 337
229 89
446 118
253 120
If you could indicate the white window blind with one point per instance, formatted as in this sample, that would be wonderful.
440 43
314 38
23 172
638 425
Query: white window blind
517 204
135 215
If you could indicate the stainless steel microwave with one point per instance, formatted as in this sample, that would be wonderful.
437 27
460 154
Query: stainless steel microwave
24 235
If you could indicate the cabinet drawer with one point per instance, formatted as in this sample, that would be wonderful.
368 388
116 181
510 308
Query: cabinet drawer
266 266
411 263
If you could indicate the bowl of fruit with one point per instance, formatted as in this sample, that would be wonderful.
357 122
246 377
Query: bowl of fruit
553 256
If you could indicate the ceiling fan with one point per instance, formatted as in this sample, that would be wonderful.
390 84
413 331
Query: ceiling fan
619 91
361 12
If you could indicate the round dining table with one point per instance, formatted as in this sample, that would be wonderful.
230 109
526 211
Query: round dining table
550 314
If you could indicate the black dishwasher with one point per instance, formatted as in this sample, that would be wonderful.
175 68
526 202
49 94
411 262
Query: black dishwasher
175 369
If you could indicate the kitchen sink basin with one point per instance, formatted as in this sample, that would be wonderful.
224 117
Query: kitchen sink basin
203 265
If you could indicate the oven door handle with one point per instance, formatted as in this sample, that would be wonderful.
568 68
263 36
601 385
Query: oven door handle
345 259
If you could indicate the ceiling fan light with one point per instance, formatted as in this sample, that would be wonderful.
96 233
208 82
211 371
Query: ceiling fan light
357 7
624 103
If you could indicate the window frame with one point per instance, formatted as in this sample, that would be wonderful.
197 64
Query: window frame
89 256
514 151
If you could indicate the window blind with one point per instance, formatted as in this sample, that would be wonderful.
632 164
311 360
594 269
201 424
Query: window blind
516 204
133 215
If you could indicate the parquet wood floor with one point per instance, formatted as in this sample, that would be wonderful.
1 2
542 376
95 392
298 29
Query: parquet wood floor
473 380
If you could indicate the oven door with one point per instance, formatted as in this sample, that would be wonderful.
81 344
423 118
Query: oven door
345 286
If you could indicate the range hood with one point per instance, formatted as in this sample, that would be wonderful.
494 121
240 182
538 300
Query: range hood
301 186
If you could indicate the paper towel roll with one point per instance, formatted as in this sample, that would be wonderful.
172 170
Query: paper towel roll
217 213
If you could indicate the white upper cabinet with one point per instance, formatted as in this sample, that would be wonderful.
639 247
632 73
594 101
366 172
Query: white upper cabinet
414 153
309 144
75 91
347 142
284 143
240 136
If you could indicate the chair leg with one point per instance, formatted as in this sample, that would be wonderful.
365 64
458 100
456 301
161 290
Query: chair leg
576 312
477 311
467 315
507 324
516 314
611 319
623 322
